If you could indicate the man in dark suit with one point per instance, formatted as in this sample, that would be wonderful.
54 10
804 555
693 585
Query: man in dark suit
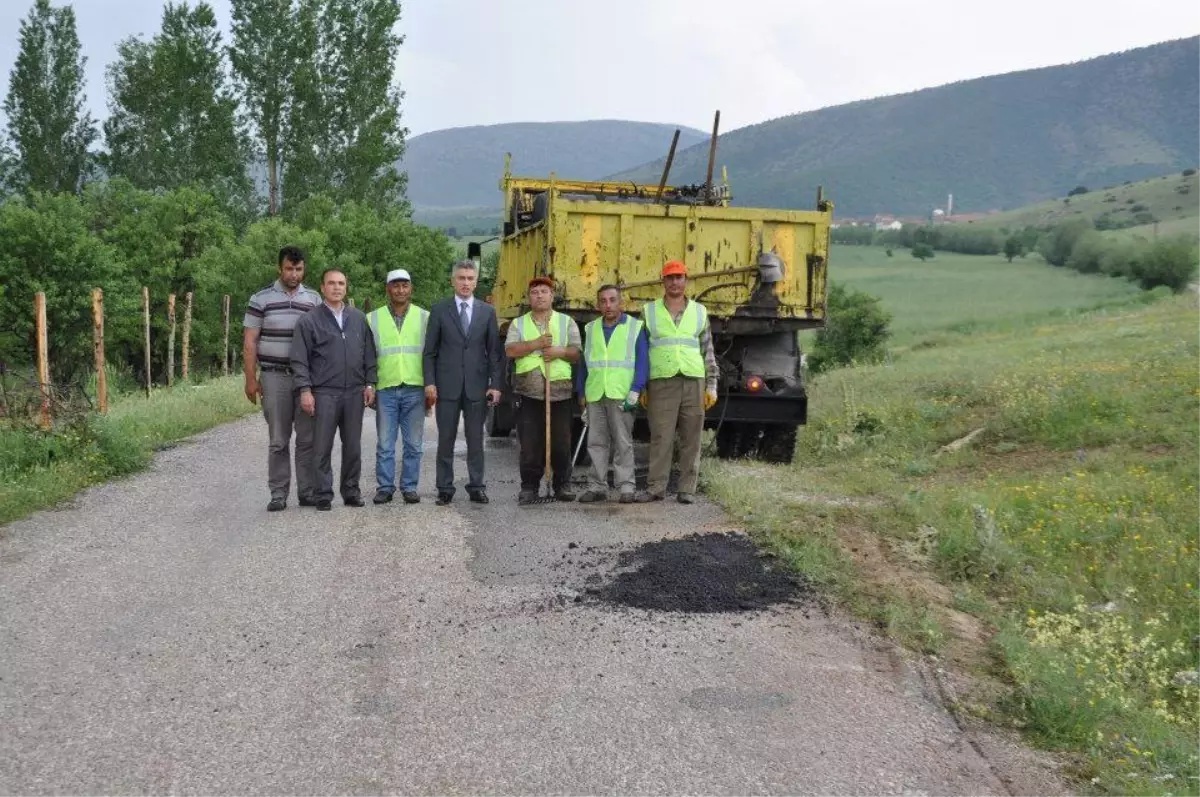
463 362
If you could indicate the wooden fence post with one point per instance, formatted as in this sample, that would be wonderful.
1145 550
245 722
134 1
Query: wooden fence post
187 332
146 318
43 356
225 321
171 340
98 336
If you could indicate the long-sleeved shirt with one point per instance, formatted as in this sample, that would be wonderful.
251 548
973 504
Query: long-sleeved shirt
326 356
641 360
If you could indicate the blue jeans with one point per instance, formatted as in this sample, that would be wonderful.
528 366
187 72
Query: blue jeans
399 409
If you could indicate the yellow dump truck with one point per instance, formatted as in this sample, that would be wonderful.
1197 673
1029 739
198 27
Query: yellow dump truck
587 234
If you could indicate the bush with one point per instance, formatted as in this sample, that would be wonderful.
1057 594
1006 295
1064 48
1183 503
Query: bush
1077 190
1188 172
856 331
1170 261
1058 242
1087 253
922 252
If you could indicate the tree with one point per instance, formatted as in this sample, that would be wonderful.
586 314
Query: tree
264 57
1013 247
922 251
1056 244
345 132
173 119
47 122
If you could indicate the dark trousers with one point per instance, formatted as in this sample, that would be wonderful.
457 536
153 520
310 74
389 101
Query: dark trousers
473 414
531 432
340 411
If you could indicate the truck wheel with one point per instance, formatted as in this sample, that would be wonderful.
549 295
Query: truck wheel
778 445
737 440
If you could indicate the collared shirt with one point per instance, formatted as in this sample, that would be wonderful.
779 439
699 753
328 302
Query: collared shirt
532 383
337 314
275 311
711 371
641 359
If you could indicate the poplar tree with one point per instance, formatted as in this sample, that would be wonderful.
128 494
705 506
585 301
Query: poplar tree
173 117
264 55
48 127
345 133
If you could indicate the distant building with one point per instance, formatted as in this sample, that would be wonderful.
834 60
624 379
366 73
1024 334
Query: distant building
883 222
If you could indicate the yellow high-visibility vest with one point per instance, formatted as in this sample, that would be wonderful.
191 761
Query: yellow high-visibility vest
528 330
399 352
610 364
675 349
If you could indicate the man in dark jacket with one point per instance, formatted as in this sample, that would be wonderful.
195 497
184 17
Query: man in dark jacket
463 374
333 366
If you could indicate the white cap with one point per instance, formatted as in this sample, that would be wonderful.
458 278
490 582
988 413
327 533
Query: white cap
398 274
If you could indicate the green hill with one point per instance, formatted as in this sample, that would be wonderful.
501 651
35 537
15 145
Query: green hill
1171 201
461 167
995 143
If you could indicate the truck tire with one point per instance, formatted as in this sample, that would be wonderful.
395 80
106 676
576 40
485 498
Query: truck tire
778 445
737 440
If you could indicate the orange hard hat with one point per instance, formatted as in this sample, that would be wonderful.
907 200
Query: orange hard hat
674 267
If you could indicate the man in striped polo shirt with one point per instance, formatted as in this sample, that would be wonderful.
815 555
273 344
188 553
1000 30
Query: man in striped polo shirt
266 343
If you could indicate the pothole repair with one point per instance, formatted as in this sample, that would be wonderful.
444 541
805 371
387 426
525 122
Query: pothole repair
700 573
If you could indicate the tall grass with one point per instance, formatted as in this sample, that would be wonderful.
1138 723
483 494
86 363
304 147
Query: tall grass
1069 526
39 469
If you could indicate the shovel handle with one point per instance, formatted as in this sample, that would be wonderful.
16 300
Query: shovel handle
546 380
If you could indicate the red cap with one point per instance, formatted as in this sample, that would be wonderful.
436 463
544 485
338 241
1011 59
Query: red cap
674 267
549 283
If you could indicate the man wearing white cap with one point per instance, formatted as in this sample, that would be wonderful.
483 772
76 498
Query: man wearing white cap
399 331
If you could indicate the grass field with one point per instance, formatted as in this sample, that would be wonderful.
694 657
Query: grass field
952 294
1173 200
38 470
1054 556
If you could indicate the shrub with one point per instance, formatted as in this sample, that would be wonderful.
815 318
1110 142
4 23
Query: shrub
1188 172
1087 253
922 252
1077 190
856 331
1058 242
1169 261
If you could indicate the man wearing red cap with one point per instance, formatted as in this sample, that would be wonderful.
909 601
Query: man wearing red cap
683 383
542 345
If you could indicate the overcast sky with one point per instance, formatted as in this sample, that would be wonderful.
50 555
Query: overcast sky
467 62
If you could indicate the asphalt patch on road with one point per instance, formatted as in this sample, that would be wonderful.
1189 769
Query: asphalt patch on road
700 573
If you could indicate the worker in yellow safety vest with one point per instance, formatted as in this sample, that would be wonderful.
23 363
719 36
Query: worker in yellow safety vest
543 344
682 386
399 331
610 380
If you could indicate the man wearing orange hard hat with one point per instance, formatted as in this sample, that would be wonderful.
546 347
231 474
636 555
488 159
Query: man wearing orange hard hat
682 386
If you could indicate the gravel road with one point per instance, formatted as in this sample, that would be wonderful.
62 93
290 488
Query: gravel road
166 634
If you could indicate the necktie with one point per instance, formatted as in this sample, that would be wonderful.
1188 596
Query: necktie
462 317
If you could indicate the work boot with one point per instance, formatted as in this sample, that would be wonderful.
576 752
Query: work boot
526 497
564 493
382 497
592 496
411 497
277 505
685 498
324 505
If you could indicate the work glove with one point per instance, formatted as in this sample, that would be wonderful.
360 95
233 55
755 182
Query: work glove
631 401
710 399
